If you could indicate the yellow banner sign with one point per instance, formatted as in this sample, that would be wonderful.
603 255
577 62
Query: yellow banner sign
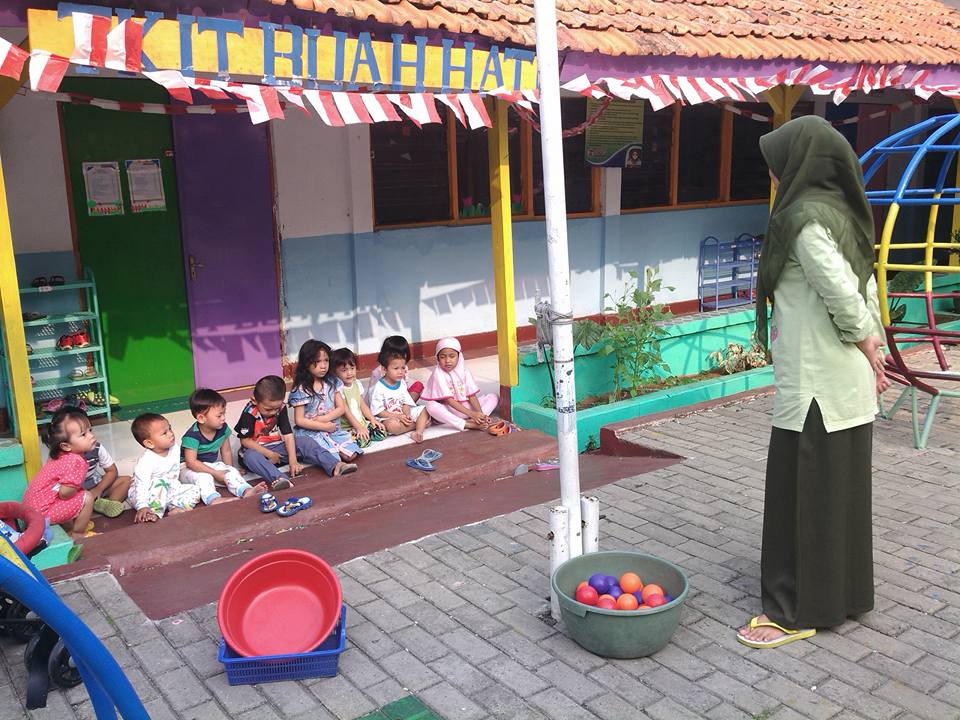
291 53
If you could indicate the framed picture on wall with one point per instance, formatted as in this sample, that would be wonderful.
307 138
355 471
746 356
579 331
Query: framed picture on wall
102 183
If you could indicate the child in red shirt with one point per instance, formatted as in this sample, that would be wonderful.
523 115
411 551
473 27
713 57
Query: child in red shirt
57 490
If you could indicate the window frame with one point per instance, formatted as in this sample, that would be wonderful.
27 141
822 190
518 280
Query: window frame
526 182
726 162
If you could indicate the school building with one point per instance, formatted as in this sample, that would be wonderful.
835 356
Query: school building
217 245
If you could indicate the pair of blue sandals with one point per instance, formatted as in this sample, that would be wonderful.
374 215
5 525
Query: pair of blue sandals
426 460
291 506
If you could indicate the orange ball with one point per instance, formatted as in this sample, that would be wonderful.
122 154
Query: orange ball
630 582
627 601
606 602
650 589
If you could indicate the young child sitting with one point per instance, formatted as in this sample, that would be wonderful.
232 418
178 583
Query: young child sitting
206 448
156 488
391 401
267 439
108 488
395 344
318 406
357 413
56 491
452 395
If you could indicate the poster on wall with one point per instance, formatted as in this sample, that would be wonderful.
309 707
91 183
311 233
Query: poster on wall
145 181
616 138
102 182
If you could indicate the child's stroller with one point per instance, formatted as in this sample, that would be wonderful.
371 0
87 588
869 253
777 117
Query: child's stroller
46 657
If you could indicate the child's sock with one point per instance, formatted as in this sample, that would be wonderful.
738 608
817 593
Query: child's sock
211 497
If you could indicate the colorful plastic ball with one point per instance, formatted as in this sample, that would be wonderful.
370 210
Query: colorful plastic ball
587 595
668 598
583 585
644 607
656 601
651 589
630 582
613 580
606 602
615 592
639 596
627 601
599 583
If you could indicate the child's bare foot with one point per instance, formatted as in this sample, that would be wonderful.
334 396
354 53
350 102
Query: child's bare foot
222 499
417 436
473 425
177 510
260 487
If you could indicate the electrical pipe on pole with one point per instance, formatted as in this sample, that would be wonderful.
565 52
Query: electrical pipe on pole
551 142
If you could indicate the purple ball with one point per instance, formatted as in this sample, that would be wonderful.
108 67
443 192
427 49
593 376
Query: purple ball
639 596
613 580
615 591
668 598
599 582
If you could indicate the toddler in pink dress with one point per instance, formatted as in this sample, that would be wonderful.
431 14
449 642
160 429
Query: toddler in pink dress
452 395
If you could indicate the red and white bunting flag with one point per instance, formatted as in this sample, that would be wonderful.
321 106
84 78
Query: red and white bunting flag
125 46
90 39
379 107
729 90
47 70
213 89
420 107
294 96
691 89
174 83
452 101
583 86
262 102
351 108
325 106
12 58
476 110
670 83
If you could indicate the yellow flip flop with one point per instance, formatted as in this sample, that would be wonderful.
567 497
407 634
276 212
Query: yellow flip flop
788 635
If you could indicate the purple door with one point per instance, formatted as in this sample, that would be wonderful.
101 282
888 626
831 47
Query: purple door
226 210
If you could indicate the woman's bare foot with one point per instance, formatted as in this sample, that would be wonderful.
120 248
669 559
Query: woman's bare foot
760 634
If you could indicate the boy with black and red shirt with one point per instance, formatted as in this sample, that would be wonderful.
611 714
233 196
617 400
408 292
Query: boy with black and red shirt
267 439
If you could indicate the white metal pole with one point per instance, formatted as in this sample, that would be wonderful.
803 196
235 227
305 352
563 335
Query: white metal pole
558 262
559 549
590 507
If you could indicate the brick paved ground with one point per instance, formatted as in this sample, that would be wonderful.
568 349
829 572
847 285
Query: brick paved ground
453 617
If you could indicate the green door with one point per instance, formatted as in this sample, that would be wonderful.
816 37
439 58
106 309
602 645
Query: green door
136 258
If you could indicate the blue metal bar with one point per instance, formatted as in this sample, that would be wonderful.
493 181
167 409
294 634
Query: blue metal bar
907 176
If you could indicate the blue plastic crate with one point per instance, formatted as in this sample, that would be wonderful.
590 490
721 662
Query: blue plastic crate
321 662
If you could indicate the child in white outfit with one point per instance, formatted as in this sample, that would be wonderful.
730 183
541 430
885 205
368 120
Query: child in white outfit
156 487
391 402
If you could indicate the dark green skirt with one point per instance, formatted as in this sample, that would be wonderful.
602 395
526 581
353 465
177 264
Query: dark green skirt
816 568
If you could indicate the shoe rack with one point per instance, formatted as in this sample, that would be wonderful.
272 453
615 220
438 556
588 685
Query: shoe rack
57 360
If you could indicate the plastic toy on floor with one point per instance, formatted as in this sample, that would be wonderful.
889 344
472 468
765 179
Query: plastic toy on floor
60 647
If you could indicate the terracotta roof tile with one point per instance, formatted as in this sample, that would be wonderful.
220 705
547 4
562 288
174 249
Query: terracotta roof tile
874 31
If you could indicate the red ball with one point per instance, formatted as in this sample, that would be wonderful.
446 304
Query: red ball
583 584
606 602
656 601
586 595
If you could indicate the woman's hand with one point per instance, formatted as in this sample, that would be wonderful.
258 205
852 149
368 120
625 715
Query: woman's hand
872 348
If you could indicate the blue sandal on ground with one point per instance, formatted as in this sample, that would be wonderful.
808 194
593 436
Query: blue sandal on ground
420 464
430 456
293 506
268 503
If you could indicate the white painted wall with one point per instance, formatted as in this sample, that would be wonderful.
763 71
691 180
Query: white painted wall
30 149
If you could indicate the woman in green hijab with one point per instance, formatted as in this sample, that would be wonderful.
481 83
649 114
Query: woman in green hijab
816 269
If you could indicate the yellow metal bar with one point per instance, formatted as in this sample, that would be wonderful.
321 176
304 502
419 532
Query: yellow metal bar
924 268
917 246
882 265
928 254
498 156
23 408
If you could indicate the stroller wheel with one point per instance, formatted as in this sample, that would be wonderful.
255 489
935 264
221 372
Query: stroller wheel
21 621
30 648
62 669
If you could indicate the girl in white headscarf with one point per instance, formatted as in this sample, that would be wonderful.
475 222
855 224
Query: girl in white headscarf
452 395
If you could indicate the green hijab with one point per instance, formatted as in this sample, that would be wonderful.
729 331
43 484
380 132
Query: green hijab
820 179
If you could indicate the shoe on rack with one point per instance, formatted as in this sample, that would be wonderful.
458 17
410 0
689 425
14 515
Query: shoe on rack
76 374
51 406
29 349
65 342
31 315
81 339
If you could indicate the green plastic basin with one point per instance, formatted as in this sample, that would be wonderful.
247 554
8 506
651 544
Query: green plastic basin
620 633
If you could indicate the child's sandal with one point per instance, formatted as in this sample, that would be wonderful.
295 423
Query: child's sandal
499 428
268 503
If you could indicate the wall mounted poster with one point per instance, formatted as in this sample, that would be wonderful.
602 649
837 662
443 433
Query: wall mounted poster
616 138
102 183
145 181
